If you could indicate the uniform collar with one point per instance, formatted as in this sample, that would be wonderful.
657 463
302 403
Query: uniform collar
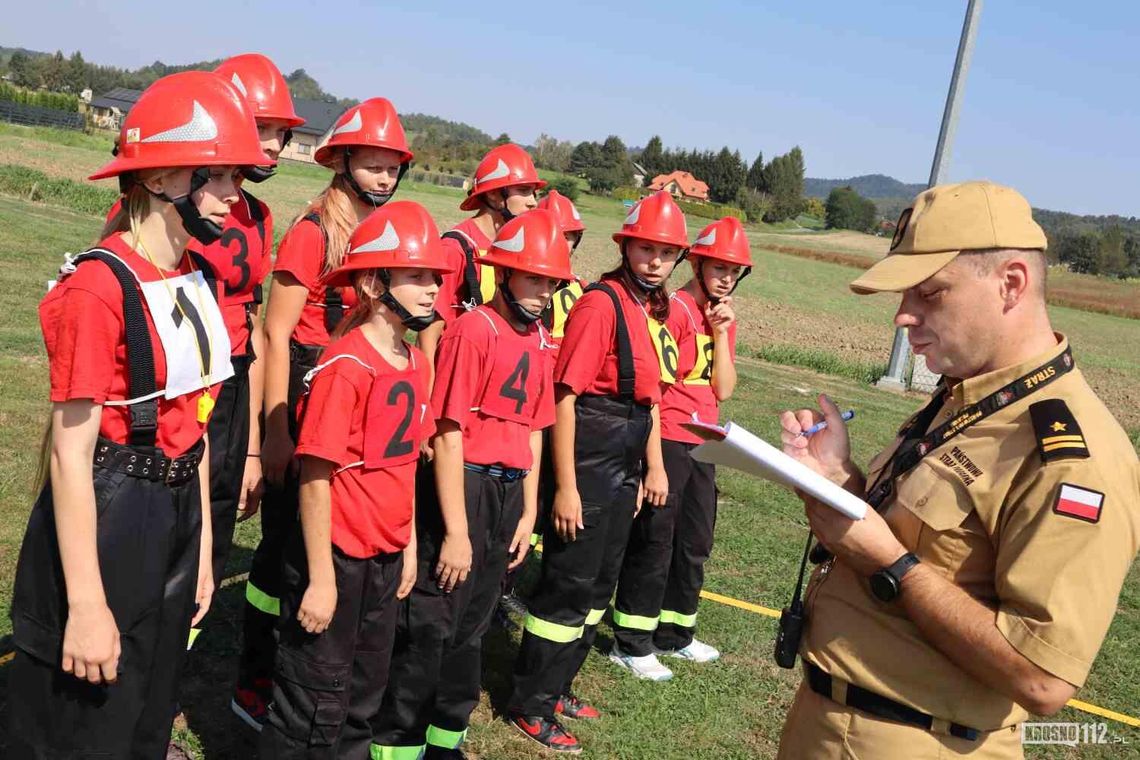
962 393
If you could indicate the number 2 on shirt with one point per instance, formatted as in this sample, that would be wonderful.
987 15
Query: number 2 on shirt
666 347
393 422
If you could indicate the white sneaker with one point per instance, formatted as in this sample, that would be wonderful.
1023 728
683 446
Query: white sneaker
647 667
696 651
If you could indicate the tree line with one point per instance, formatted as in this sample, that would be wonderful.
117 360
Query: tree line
772 191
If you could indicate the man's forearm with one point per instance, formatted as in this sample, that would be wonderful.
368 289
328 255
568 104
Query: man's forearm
965 631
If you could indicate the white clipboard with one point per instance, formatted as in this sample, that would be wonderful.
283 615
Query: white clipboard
733 446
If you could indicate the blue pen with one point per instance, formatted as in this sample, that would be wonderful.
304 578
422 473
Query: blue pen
846 417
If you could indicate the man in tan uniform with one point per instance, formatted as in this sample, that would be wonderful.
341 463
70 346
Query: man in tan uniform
1009 510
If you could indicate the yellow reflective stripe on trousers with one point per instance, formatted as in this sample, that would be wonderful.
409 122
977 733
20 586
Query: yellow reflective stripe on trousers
595 616
559 634
634 622
535 538
396 753
270 605
194 633
678 618
441 737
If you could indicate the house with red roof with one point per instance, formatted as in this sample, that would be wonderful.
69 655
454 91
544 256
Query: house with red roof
682 185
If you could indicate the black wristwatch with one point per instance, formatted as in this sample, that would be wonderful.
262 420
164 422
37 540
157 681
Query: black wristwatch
887 583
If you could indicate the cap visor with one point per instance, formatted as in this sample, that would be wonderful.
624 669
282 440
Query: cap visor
900 271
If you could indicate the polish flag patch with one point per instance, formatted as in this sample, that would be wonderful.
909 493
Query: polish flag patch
1078 502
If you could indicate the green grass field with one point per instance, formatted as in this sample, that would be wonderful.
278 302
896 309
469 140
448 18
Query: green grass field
733 709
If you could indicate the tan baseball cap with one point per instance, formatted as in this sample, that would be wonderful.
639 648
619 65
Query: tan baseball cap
946 220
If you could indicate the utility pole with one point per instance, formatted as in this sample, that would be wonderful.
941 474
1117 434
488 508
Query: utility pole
896 379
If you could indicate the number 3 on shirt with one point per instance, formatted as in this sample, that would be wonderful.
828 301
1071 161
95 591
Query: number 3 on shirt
666 347
701 373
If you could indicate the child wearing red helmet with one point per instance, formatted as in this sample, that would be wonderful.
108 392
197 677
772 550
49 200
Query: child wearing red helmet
353 553
241 257
115 563
607 457
368 152
554 319
492 397
503 187
655 610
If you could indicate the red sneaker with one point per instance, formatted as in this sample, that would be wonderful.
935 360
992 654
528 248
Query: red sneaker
252 704
547 732
574 708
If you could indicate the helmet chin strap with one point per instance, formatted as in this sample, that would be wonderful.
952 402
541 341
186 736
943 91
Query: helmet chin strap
204 230
258 174
699 271
415 324
524 315
373 199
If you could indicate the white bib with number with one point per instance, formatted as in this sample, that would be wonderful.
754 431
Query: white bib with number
194 338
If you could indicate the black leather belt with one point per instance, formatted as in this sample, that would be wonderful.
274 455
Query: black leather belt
148 466
506 474
820 682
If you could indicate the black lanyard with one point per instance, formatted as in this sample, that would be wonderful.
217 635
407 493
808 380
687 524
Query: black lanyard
915 445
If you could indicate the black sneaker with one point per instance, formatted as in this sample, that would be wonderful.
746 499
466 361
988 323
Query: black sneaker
439 753
547 732
513 604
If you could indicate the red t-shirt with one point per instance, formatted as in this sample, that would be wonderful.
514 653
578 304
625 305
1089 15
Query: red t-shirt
83 327
241 258
587 359
368 418
693 390
449 302
302 254
495 383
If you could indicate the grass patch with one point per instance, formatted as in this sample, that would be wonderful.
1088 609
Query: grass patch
100 140
821 361
34 185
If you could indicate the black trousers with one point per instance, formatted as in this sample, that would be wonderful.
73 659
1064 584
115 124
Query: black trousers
661 578
228 431
545 505
279 509
436 666
328 687
148 536
578 578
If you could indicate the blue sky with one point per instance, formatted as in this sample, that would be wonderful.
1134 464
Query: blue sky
1050 103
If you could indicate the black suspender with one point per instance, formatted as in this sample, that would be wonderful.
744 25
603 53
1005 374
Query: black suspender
624 349
257 214
334 303
470 268
140 351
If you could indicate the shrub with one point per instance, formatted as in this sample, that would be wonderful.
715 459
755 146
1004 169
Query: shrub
710 210
627 193
567 186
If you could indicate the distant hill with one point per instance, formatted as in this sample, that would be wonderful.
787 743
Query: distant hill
867 185
443 130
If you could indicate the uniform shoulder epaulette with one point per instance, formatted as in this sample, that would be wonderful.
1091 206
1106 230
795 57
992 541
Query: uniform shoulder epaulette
1058 434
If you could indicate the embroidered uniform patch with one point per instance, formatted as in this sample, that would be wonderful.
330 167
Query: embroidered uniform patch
1058 434
1081 503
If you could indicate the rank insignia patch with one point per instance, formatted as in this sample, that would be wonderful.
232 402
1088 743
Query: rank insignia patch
1058 434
